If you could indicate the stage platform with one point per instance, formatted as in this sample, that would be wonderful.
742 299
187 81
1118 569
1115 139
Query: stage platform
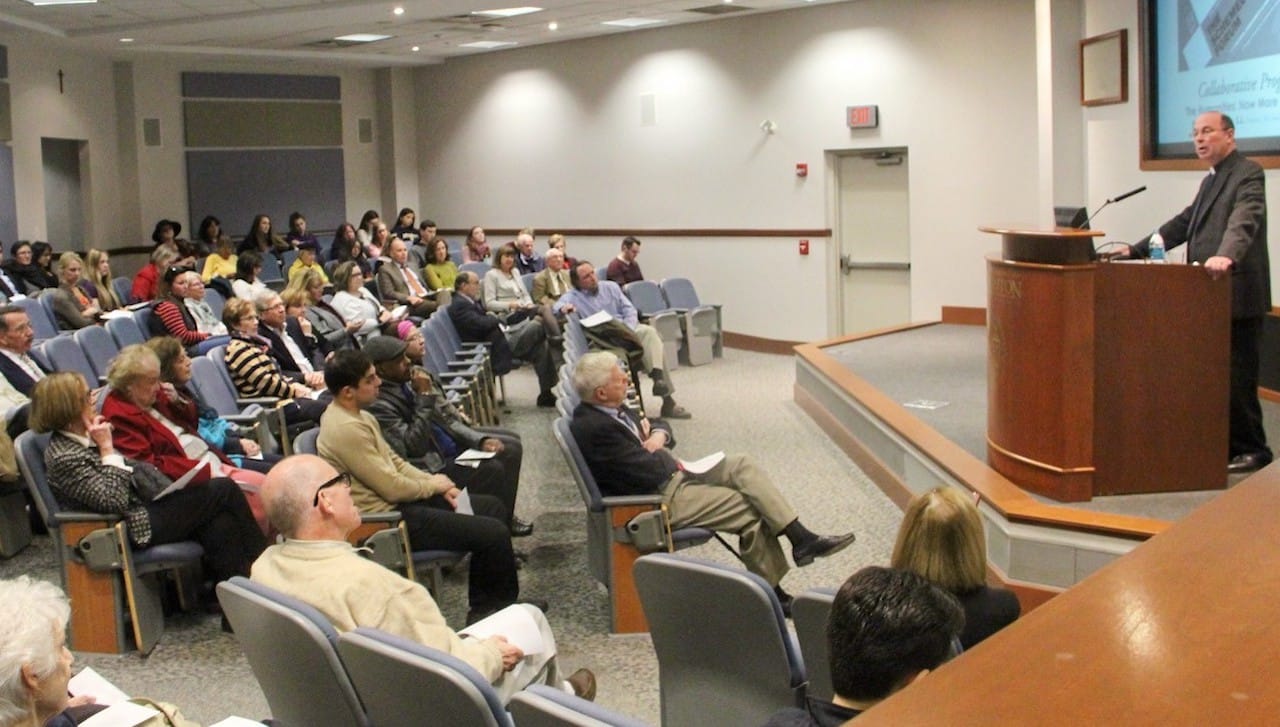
909 405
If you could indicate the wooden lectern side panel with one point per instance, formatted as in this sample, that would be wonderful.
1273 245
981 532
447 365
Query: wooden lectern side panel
1040 386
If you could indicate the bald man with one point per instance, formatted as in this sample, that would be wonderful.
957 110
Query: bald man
310 503
1225 228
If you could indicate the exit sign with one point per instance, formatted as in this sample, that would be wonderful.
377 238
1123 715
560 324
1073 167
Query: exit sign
863 117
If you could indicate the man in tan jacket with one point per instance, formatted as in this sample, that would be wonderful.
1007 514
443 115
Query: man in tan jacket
312 505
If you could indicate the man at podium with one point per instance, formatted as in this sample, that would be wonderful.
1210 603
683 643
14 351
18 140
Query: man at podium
1225 227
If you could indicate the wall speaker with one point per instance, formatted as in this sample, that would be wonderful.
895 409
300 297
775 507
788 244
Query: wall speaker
364 131
151 132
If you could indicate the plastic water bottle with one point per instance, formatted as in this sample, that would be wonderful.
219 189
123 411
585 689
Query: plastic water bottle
1155 248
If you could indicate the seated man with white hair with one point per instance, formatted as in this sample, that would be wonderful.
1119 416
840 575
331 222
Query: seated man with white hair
310 503
35 664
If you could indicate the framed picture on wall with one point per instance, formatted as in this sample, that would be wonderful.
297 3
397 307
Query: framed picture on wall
1104 69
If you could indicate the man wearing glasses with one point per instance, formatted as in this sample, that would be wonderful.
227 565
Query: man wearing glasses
351 440
1225 228
313 506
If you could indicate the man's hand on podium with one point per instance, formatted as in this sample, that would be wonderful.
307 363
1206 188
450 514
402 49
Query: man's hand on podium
1218 265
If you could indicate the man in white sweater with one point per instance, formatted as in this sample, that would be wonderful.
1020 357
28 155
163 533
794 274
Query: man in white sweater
310 503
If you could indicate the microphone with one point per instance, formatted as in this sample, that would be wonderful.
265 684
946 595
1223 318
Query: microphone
1124 196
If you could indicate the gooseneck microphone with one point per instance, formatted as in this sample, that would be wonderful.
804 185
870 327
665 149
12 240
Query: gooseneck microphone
1122 197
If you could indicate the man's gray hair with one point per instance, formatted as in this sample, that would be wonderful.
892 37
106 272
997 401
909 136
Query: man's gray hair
264 299
31 613
592 372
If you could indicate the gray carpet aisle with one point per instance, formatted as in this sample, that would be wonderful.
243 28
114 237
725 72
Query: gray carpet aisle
741 403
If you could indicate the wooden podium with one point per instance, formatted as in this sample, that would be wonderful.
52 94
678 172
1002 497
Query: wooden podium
1104 378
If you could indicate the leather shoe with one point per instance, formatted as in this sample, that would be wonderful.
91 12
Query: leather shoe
785 600
672 410
661 385
821 547
584 684
546 400
520 528
1243 463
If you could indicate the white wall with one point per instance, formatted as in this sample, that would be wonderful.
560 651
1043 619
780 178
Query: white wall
1111 143
551 136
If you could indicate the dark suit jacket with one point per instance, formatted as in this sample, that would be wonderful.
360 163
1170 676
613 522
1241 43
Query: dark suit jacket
1232 222
475 324
620 464
280 352
534 265
18 376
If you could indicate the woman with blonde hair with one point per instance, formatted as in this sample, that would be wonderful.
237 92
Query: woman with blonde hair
96 282
72 308
941 539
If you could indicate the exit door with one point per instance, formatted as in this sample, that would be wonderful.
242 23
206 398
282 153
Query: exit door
875 241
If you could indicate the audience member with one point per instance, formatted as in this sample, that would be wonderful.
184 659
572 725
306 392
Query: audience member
72 308
505 296
333 331
376 247
417 426
146 284
624 269
172 316
206 320
887 629
590 296
528 260
404 227
553 281
440 269
556 241
134 406
296 353
183 406
306 260
526 339
941 539
381 481
209 236
474 248
420 250
368 221
256 374
42 252
355 303
314 506
248 281
166 233
11 286
298 235
97 282
261 238
397 281
35 664
222 262
628 455
16 337
86 472
23 269
344 239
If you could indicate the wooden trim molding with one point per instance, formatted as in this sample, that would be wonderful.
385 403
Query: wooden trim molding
964 315
744 342
621 232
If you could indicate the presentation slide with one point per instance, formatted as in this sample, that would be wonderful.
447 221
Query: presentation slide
1217 55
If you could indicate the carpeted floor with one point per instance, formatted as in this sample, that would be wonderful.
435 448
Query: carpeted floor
741 403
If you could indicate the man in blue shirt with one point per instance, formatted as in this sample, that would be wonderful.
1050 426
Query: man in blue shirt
590 296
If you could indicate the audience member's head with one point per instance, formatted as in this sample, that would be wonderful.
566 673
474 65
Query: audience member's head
35 663
163 257
368 220
406 217
583 276
237 314
555 241
524 242
166 231
297 223
398 251
70 267
56 401
307 499
349 375
555 259
437 251
175 364
388 356
505 259
343 274
593 373
630 248
941 539
271 309
248 265
16 333
308 281
468 284
97 265
210 230
888 628
135 375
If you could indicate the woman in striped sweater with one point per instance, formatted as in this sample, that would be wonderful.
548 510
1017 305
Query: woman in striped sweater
174 317
256 374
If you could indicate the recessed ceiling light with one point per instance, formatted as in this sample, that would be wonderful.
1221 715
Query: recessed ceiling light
398 11
487 44
126 40
39 3
362 37
631 22
506 12
553 25
415 49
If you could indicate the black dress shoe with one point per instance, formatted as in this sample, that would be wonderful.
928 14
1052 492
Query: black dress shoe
672 410
661 386
1243 463
520 528
821 547
785 600
546 400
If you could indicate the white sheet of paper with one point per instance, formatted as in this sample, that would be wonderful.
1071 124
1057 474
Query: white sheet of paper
400 312
515 623
181 482
704 465
91 683
596 319
234 721
463 505
472 455
122 714
117 313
